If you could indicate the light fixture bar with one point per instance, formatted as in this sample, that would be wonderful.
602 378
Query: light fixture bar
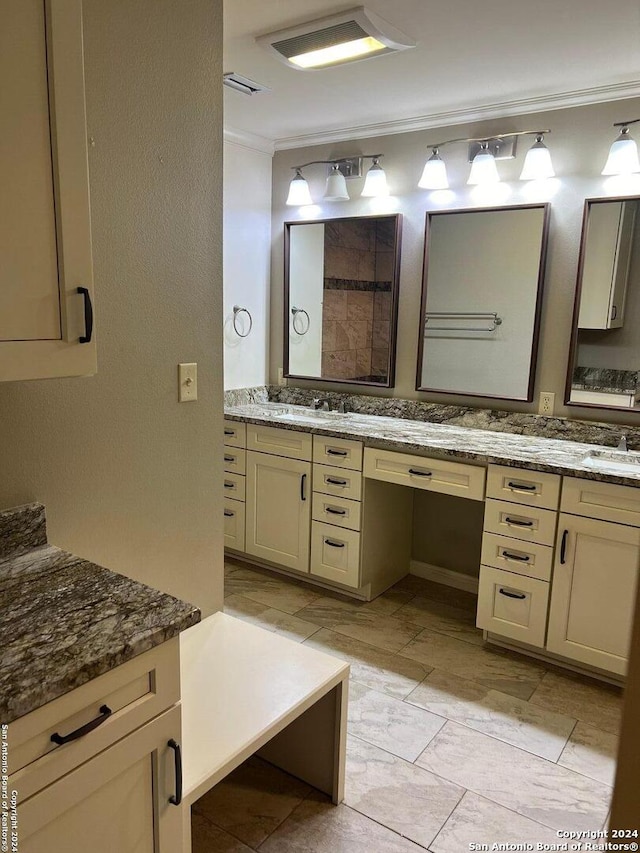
491 137
342 168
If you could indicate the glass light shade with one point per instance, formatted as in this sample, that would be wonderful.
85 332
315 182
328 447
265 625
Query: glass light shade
434 175
375 184
537 164
299 194
484 169
337 53
336 186
623 156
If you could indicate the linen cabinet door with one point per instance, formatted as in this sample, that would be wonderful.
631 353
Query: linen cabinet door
278 510
593 592
118 801
46 275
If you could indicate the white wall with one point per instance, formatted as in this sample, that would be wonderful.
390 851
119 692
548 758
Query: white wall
247 248
130 477
579 142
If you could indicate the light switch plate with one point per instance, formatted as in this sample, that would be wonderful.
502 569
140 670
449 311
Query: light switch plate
187 382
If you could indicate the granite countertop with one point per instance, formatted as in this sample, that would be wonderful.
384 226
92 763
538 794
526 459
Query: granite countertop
65 620
455 442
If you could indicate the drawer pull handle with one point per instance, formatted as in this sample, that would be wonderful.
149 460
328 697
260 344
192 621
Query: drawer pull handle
522 487
417 473
334 511
335 482
512 594
229 432
229 458
334 544
563 548
228 513
517 523
105 713
332 452
303 487
229 485
521 558
177 757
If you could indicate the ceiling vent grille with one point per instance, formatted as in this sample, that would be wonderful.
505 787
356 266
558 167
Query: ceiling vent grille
318 40
243 84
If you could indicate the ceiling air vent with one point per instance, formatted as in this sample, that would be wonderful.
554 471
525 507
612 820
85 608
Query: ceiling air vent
347 37
243 84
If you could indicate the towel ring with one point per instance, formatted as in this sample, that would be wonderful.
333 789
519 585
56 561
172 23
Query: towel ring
238 310
295 311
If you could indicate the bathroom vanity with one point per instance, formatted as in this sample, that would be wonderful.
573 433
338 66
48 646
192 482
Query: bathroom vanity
329 497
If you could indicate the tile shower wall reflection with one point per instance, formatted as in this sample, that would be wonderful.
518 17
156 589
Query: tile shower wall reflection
356 317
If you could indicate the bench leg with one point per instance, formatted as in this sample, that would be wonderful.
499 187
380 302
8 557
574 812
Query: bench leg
313 746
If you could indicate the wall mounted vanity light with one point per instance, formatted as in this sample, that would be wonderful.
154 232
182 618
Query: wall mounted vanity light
623 154
375 185
483 153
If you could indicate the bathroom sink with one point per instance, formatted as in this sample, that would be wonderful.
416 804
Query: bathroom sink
619 461
309 417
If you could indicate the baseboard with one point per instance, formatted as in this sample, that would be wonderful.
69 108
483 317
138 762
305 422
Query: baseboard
444 576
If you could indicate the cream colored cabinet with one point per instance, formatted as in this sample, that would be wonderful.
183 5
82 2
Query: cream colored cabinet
234 484
593 592
97 768
278 508
46 279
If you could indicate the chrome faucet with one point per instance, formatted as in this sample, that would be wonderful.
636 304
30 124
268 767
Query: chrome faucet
321 403
622 444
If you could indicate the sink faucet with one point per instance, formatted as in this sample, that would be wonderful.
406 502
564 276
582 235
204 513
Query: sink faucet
321 403
622 444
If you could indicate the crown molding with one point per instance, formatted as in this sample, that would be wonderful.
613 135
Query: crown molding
466 115
252 141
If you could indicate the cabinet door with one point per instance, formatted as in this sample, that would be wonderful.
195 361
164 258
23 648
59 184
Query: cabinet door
278 510
45 241
593 592
117 801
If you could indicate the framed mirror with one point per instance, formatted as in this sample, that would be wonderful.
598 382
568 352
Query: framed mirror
604 362
341 299
481 301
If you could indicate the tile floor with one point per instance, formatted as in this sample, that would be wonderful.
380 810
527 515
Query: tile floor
449 742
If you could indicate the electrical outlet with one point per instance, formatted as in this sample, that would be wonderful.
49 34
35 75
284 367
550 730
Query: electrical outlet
281 377
187 382
547 403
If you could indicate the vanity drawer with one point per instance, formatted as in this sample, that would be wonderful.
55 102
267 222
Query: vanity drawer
513 606
338 511
234 515
511 555
419 472
134 692
337 451
235 434
606 501
281 442
339 482
235 460
531 524
234 486
518 485
335 554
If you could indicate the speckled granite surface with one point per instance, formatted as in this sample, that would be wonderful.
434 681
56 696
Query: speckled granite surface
64 620
22 529
244 396
444 440
605 380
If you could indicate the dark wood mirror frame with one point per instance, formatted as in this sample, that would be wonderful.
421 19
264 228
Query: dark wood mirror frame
573 349
546 207
395 285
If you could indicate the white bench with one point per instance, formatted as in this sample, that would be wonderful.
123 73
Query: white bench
246 690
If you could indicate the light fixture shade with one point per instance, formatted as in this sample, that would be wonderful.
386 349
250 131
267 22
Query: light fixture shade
484 169
375 184
434 175
299 194
537 164
336 186
623 156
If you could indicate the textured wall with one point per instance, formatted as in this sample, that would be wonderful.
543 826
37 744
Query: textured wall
130 477
579 143
247 248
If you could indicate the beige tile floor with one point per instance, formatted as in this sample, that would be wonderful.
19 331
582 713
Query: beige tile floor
449 742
